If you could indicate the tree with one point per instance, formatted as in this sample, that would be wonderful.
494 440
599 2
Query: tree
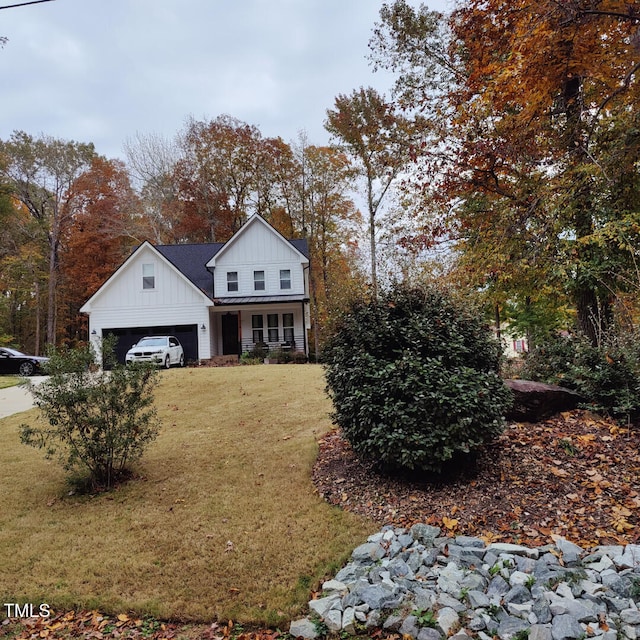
41 172
540 97
105 225
380 141
151 161
221 178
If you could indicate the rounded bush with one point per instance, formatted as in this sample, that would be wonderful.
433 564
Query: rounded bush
414 380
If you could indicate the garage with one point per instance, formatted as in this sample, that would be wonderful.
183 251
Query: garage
128 336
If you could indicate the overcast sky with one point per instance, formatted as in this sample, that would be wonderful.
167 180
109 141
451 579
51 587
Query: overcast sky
103 70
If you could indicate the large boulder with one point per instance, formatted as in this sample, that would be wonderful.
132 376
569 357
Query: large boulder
534 401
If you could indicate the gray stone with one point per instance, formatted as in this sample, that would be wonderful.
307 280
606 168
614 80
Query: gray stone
630 558
474 581
498 586
564 627
333 620
446 600
376 596
470 541
540 632
542 611
477 599
399 568
303 628
515 549
425 533
405 540
349 620
630 616
510 626
410 627
424 598
449 579
570 552
322 606
428 633
373 619
619 585
368 552
447 620
477 624
393 622
517 595
334 585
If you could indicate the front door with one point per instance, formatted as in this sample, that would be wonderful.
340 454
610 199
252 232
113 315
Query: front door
230 334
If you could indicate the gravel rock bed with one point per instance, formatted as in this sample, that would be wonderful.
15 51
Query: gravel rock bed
422 585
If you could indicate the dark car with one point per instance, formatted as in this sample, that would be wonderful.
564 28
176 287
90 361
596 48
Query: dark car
13 361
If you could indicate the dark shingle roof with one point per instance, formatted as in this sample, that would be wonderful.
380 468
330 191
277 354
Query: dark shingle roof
191 260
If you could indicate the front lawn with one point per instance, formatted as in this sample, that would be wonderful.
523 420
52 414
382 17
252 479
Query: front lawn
9 381
223 523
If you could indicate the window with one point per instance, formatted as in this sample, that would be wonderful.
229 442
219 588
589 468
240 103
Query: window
285 278
258 280
272 324
148 276
287 327
232 280
257 324
520 346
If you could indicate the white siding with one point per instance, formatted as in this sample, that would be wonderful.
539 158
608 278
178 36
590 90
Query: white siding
123 303
258 248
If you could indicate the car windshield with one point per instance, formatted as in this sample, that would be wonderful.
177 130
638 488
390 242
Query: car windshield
152 342
13 352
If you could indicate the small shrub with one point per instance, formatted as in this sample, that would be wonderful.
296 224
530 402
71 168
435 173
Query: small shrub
414 380
98 422
607 375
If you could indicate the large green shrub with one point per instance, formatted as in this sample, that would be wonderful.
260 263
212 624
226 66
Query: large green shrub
99 422
606 375
414 380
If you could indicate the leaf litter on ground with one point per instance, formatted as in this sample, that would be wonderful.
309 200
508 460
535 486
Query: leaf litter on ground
573 475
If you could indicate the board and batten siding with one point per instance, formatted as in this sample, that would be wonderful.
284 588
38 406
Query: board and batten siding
260 250
124 303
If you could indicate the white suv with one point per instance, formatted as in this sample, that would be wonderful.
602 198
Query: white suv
161 350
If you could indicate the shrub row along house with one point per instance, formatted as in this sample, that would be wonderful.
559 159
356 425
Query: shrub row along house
218 299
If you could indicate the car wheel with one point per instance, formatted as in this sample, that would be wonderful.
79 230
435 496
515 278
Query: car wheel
182 359
27 369
167 363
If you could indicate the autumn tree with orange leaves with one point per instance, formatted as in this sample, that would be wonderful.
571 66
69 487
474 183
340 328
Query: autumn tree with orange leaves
105 226
533 119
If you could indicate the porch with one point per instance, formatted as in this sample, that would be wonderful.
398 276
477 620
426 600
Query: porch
260 328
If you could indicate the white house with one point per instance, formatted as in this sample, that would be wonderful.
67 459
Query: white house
217 299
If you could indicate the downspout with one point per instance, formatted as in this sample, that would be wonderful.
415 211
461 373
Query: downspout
304 331
304 317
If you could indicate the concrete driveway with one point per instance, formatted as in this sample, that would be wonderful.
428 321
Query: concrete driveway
17 399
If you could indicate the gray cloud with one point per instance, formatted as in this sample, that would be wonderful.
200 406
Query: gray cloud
101 70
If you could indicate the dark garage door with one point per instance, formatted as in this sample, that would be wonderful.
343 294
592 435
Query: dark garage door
127 337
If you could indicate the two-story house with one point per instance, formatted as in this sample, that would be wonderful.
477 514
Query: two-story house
217 298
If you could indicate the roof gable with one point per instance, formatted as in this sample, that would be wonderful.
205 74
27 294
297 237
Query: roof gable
299 246
145 246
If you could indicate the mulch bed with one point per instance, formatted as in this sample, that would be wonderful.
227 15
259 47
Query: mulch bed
575 475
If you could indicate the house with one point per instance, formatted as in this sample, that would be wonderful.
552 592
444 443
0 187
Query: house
218 299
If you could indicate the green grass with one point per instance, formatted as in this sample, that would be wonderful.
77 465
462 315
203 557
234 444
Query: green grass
223 524
9 381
